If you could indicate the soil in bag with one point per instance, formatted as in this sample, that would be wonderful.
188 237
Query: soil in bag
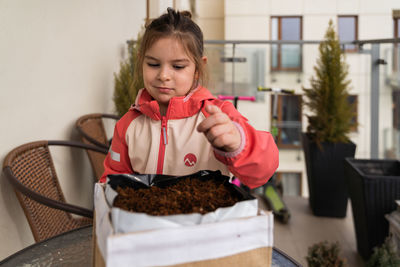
201 192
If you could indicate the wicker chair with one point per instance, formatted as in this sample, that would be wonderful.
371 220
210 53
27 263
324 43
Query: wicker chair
91 128
30 170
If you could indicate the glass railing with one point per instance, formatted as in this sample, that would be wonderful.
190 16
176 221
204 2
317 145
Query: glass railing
392 70
391 143
237 68
236 72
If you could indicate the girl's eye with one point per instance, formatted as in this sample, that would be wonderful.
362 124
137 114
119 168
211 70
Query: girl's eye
178 67
153 65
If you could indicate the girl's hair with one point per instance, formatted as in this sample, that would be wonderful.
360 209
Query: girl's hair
178 25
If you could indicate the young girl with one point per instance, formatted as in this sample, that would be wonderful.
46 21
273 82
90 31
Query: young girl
176 126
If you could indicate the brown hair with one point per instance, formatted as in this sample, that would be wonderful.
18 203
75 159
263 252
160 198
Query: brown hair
177 25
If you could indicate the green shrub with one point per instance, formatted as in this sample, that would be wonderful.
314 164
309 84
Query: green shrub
327 99
125 86
325 254
384 256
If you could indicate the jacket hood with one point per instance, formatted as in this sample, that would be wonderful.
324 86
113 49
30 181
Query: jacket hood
179 107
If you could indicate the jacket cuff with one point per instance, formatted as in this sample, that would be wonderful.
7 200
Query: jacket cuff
237 151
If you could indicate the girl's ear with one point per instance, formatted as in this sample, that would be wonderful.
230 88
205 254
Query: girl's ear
204 59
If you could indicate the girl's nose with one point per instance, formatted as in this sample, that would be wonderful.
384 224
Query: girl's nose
164 74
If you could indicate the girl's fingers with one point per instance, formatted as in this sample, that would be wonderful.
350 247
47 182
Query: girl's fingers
216 117
216 131
219 130
212 109
224 142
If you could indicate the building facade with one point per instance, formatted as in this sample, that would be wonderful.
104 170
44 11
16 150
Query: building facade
238 69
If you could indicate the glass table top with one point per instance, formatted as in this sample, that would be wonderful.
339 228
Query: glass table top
75 248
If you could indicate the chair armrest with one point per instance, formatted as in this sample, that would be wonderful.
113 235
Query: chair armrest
94 116
102 150
45 200
110 116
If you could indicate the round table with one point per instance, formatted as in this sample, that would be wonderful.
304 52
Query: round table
75 248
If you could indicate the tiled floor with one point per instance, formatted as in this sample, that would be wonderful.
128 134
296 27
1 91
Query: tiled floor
304 229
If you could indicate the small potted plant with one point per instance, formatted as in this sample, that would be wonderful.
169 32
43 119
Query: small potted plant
326 142
325 254
384 255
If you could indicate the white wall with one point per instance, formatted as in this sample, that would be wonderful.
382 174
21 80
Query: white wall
57 60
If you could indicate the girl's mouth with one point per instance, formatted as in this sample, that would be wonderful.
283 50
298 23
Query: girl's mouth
164 89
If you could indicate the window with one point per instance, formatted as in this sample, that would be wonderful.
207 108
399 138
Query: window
348 32
353 99
290 182
286 56
288 120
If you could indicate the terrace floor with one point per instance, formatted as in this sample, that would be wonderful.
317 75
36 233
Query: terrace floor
304 230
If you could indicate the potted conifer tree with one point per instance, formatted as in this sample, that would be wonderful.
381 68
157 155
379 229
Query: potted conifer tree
326 142
126 86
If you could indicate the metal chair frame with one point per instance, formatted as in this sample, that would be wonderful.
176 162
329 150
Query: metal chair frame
98 117
92 131
20 166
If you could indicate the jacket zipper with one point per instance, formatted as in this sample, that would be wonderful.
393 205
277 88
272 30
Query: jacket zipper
163 143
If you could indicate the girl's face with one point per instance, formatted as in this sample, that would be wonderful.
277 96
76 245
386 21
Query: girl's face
167 71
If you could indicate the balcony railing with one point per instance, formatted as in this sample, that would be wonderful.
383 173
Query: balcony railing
238 67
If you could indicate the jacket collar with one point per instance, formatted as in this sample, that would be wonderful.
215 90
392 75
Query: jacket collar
178 108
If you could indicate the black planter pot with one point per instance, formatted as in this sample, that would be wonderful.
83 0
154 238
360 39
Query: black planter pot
326 181
374 185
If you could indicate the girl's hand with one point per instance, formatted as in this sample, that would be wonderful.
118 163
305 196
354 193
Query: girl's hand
220 130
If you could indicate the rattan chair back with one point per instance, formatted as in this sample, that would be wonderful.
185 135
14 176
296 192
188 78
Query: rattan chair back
30 170
92 131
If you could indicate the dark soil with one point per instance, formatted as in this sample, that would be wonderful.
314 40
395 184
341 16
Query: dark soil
189 195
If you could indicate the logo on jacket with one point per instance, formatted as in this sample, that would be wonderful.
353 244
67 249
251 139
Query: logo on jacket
190 160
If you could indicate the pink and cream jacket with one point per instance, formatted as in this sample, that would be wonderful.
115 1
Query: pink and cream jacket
146 142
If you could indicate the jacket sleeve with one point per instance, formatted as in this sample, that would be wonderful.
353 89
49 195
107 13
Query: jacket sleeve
117 160
257 158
